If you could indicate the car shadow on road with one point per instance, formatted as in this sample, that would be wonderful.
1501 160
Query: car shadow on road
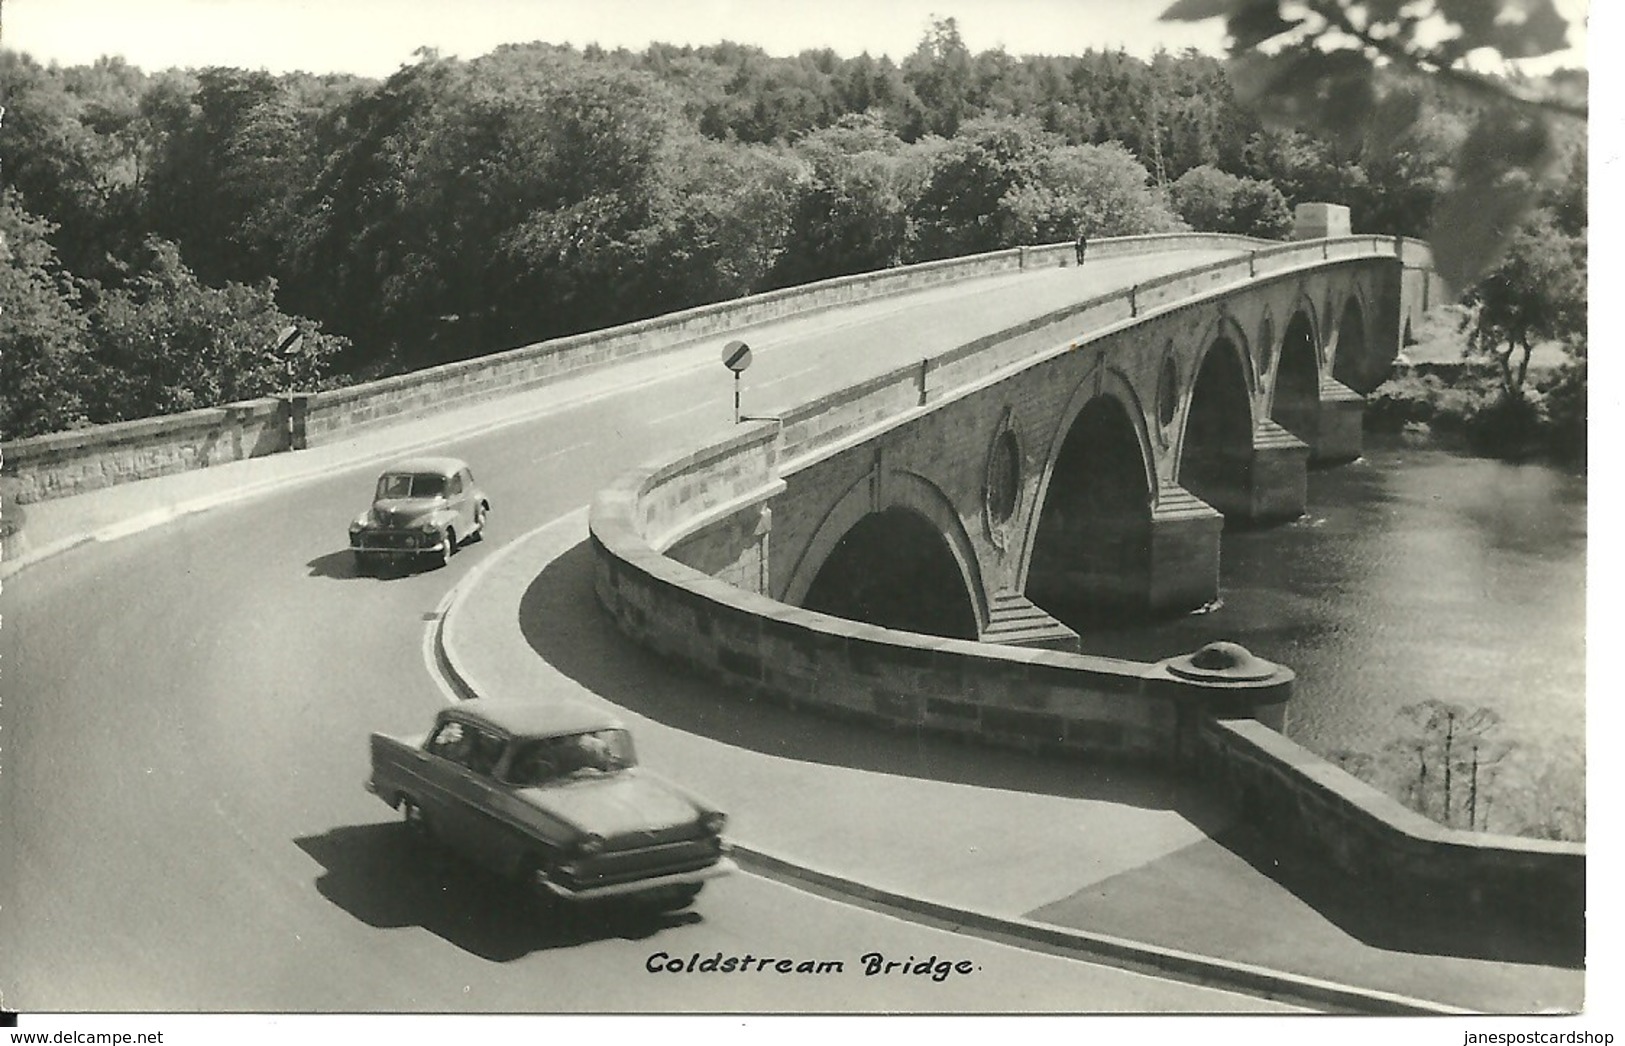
381 877
562 621
341 565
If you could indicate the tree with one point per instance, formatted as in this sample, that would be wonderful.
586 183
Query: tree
957 211
941 72
71 158
42 330
1537 293
720 225
1089 190
1209 200
848 214
165 343
1333 65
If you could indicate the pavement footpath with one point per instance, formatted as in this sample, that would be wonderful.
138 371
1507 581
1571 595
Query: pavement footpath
1104 863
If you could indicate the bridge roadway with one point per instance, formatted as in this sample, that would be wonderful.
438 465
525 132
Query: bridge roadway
185 712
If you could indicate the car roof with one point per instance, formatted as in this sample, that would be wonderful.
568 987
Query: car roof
532 718
441 465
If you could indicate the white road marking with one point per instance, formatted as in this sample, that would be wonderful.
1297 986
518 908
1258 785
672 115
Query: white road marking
684 413
562 450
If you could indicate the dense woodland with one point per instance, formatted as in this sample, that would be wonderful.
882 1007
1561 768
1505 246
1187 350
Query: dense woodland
161 228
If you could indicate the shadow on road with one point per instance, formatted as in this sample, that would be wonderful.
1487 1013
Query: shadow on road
342 565
1302 914
562 621
378 875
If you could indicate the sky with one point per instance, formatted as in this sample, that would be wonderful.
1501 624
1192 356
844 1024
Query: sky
376 37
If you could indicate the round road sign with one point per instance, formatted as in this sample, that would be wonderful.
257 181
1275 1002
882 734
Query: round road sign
736 356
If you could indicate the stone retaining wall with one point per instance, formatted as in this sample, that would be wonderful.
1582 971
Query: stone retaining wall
1403 858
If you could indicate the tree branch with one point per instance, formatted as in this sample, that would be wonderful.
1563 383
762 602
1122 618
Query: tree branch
1337 17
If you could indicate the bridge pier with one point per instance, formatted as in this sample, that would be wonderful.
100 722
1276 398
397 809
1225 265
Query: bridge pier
1265 483
1185 534
1339 425
1015 620
1278 482
1161 563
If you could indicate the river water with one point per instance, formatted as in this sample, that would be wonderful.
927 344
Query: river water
1420 574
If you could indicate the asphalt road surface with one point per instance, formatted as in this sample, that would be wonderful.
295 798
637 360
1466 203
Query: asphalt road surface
184 743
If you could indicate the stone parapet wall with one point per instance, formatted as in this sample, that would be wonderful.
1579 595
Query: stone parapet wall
886 398
334 414
707 507
1009 695
64 464
1400 856
67 463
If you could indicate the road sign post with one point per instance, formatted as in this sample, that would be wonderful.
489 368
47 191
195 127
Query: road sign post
736 357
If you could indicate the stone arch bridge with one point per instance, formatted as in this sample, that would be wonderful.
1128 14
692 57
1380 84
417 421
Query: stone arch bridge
886 552
1088 462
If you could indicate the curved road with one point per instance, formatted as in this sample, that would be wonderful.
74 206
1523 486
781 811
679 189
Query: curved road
184 723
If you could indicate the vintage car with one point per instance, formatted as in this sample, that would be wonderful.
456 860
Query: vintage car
422 508
551 795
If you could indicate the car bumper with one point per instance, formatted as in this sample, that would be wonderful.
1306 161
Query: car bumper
724 866
374 545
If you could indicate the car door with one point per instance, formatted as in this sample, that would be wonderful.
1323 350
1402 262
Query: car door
443 799
485 833
458 802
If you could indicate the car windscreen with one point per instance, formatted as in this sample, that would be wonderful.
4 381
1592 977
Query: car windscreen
411 485
591 754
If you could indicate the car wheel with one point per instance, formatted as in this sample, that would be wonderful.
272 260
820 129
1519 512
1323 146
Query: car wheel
363 563
416 822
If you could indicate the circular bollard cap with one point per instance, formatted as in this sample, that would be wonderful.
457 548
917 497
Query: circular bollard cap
1223 662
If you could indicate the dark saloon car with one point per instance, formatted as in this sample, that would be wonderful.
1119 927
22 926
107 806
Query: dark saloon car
422 508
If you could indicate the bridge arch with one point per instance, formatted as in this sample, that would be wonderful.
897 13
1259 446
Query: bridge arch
1088 547
1352 358
892 551
1295 399
1215 452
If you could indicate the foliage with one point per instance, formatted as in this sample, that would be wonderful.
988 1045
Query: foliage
1005 181
1536 293
42 330
1564 396
1087 190
165 343
721 228
848 213
1210 200
73 154
1346 70
1450 764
